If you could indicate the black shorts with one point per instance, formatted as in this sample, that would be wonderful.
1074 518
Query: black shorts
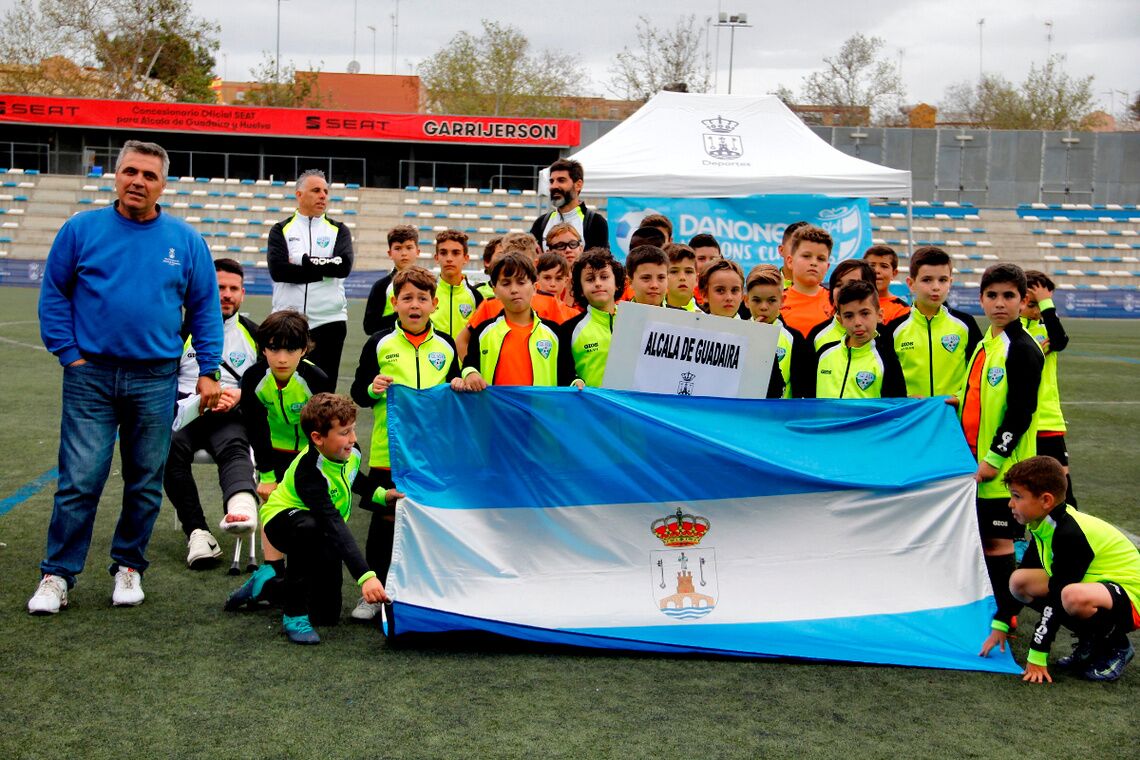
1053 446
995 520
1125 616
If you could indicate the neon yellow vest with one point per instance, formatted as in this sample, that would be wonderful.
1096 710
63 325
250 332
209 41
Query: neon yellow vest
543 344
932 353
456 304
1049 415
590 345
994 390
423 367
845 372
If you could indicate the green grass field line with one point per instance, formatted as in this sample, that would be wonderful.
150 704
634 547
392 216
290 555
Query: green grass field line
177 677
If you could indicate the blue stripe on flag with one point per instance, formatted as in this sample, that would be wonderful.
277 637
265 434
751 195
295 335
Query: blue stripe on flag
565 447
912 638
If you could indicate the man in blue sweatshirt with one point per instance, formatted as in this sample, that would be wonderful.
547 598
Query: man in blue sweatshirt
115 284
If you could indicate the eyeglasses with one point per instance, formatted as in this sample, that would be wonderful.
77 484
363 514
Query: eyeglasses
568 245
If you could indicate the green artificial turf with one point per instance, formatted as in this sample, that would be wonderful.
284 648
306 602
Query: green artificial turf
178 677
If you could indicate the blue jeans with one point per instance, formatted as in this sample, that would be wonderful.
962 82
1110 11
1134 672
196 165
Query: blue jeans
98 401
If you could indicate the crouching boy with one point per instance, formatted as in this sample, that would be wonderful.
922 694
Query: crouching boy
1079 572
305 518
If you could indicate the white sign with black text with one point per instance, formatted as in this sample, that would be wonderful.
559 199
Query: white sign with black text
689 353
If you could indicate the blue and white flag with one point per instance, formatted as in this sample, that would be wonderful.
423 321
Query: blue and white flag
748 229
836 530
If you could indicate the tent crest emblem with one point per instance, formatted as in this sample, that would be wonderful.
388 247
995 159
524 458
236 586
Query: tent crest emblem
722 144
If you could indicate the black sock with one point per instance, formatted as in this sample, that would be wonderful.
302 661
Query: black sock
1000 567
278 566
1070 498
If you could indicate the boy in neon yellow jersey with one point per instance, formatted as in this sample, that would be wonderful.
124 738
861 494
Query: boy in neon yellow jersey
585 340
412 354
681 277
517 347
647 268
306 518
1079 572
997 406
456 296
1039 316
403 249
844 273
793 354
933 341
863 364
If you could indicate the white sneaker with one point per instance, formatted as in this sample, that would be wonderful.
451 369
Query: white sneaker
366 610
50 597
201 549
128 588
243 505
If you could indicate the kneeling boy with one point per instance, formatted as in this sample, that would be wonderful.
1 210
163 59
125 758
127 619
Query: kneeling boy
1079 572
305 518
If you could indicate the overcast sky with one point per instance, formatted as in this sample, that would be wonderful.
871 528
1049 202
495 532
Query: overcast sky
936 39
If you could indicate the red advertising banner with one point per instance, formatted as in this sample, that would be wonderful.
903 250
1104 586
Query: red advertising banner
287 122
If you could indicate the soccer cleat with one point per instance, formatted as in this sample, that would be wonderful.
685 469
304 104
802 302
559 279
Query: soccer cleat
299 630
128 588
1081 655
201 550
1110 664
366 610
250 592
50 596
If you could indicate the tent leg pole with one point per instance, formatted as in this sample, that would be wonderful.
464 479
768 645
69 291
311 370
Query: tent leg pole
909 227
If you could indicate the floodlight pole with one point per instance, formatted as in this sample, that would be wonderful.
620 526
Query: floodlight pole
373 30
277 57
732 22
981 25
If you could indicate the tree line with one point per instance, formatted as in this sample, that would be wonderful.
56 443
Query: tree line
160 50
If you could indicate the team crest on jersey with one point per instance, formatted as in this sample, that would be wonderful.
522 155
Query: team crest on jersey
437 359
544 347
323 242
1041 340
296 407
465 309
864 380
236 358
781 352
950 342
995 375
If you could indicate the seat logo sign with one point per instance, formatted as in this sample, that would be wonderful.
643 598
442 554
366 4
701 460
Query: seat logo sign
721 143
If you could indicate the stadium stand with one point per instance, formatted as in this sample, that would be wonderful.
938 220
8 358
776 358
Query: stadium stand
1081 246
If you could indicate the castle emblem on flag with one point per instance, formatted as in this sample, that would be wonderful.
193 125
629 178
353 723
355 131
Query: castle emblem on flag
684 566
685 387
721 144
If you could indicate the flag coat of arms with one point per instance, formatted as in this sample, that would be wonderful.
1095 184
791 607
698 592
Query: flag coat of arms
822 529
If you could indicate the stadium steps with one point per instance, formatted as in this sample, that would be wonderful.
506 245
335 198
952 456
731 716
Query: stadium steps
241 214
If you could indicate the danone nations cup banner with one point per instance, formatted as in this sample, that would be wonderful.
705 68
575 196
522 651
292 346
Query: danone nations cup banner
836 530
748 229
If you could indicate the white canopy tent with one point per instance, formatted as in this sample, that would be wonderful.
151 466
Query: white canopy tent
681 145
